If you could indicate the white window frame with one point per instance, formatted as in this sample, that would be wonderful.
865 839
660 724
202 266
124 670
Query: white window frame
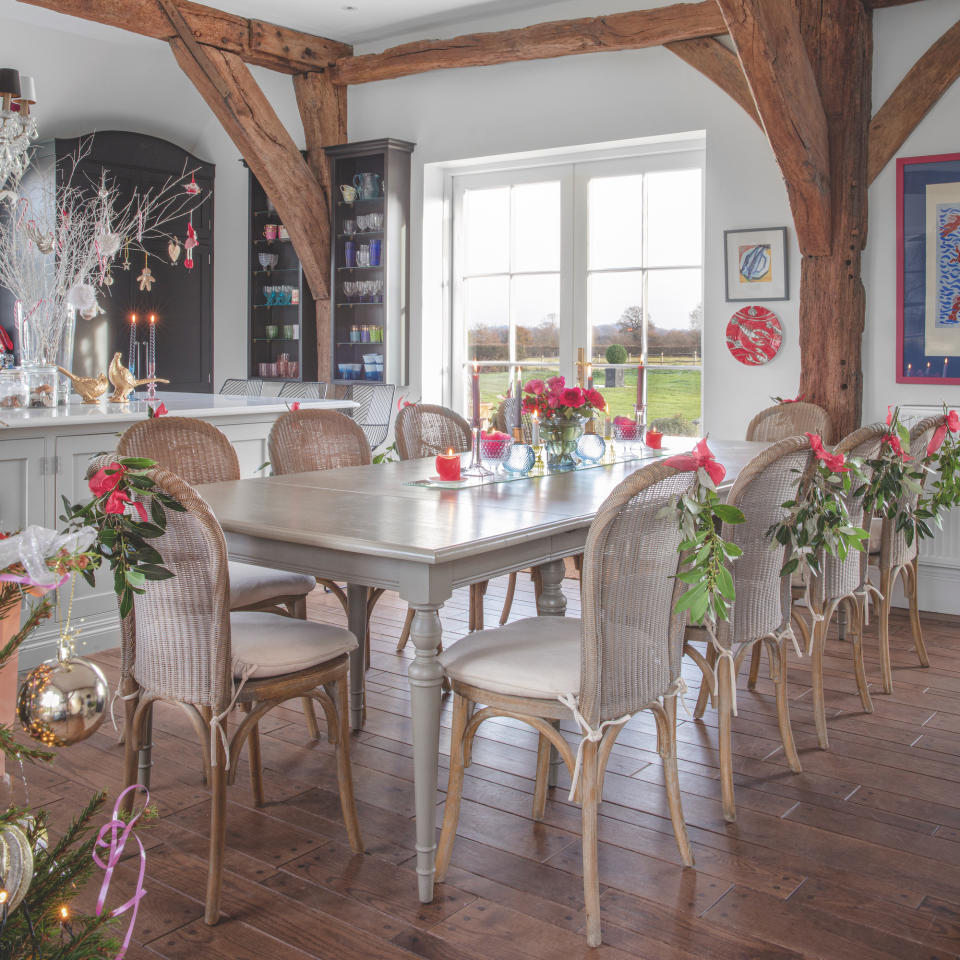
574 169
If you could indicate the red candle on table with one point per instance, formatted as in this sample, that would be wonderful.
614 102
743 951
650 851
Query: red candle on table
476 395
654 439
448 466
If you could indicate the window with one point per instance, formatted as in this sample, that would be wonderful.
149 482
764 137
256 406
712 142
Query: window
549 259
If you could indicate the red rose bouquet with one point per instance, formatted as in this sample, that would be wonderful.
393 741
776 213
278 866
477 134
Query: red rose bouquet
554 399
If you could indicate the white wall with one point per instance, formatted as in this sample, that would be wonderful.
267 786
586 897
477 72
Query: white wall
99 78
545 104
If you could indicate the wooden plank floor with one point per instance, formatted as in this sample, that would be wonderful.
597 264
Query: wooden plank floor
857 858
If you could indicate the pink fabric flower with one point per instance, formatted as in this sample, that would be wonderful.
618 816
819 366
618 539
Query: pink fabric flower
700 457
893 442
834 462
105 480
118 501
295 405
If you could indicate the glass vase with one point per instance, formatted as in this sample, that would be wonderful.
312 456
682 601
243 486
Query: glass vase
560 436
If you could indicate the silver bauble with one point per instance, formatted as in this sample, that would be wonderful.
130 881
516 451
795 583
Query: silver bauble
16 865
63 702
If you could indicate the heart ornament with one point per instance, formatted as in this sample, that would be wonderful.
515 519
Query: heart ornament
173 249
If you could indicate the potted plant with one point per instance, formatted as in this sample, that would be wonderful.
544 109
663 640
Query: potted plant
617 356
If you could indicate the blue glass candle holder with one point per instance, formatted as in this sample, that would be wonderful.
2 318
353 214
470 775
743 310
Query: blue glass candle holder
520 459
591 447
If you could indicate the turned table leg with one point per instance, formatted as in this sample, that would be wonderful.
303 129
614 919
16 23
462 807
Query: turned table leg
551 602
357 623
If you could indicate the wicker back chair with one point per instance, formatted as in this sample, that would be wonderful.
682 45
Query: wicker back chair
784 420
306 440
236 387
503 420
761 611
192 651
374 408
623 657
426 430
892 557
194 449
304 390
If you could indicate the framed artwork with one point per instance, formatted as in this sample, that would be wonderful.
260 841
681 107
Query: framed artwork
756 264
928 269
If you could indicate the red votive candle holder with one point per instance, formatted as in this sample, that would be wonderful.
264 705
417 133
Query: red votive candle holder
654 439
448 466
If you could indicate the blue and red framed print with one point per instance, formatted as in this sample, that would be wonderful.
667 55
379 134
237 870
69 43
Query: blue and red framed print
928 269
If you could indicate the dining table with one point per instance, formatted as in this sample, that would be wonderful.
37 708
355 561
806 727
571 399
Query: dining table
380 526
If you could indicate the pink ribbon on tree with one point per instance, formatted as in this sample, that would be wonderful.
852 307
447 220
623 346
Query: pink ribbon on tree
951 422
700 457
113 837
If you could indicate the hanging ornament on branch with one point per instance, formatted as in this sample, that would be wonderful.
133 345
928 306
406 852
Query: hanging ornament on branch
126 256
16 867
145 279
193 188
190 243
173 250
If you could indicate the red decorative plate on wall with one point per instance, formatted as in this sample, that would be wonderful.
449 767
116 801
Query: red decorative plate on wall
754 335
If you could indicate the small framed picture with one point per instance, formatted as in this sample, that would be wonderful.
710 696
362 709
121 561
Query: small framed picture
756 264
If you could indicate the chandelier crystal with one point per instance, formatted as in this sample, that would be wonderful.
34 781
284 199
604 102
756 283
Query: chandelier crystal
18 128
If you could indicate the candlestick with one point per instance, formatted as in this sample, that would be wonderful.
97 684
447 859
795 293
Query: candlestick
945 368
476 396
589 376
518 400
928 368
132 353
641 377
535 429
152 359
909 369
476 467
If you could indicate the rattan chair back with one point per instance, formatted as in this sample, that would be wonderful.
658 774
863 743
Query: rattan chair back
305 440
503 420
182 625
790 420
842 578
426 430
763 600
236 387
304 390
193 449
632 640
895 552
374 409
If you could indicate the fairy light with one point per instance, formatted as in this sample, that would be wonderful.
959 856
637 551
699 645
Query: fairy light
4 897
64 913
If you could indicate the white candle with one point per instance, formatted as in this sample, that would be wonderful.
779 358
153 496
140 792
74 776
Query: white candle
535 423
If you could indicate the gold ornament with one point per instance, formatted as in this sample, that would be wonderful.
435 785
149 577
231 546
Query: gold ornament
90 388
63 701
124 382
16 866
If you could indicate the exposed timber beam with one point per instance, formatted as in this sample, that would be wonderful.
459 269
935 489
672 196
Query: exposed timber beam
561 38
774 59
253 126
323 111
255 41
925 83
877 4
719 64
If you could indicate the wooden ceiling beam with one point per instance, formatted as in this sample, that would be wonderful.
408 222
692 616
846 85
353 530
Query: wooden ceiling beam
561 38
323 111
721 65
255 41
925 83
781 78
877 4
255 129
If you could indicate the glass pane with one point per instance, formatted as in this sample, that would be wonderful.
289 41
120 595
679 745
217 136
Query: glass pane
535 305
536 226
615 316
486 224
615 215
673 399
675 316
486 302
493 388
674 219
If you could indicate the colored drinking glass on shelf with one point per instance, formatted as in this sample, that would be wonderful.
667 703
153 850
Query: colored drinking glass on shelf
374 253
350 253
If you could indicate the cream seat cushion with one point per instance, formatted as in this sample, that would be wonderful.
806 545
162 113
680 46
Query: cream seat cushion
538 657
252 584
265 645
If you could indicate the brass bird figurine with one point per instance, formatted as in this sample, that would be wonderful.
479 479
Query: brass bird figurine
124 382
90 388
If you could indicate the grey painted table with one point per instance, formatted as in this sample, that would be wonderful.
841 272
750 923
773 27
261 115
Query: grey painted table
365 525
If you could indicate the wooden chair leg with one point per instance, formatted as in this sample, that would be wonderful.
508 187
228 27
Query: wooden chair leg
348 805
778 668
725 738
883 626
816 674
754 668
913 594
543 778
856 622
671 780
451 809
131 751
298 610
218 833
705 692
477 591
591 875
508 599
253 758
405 632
